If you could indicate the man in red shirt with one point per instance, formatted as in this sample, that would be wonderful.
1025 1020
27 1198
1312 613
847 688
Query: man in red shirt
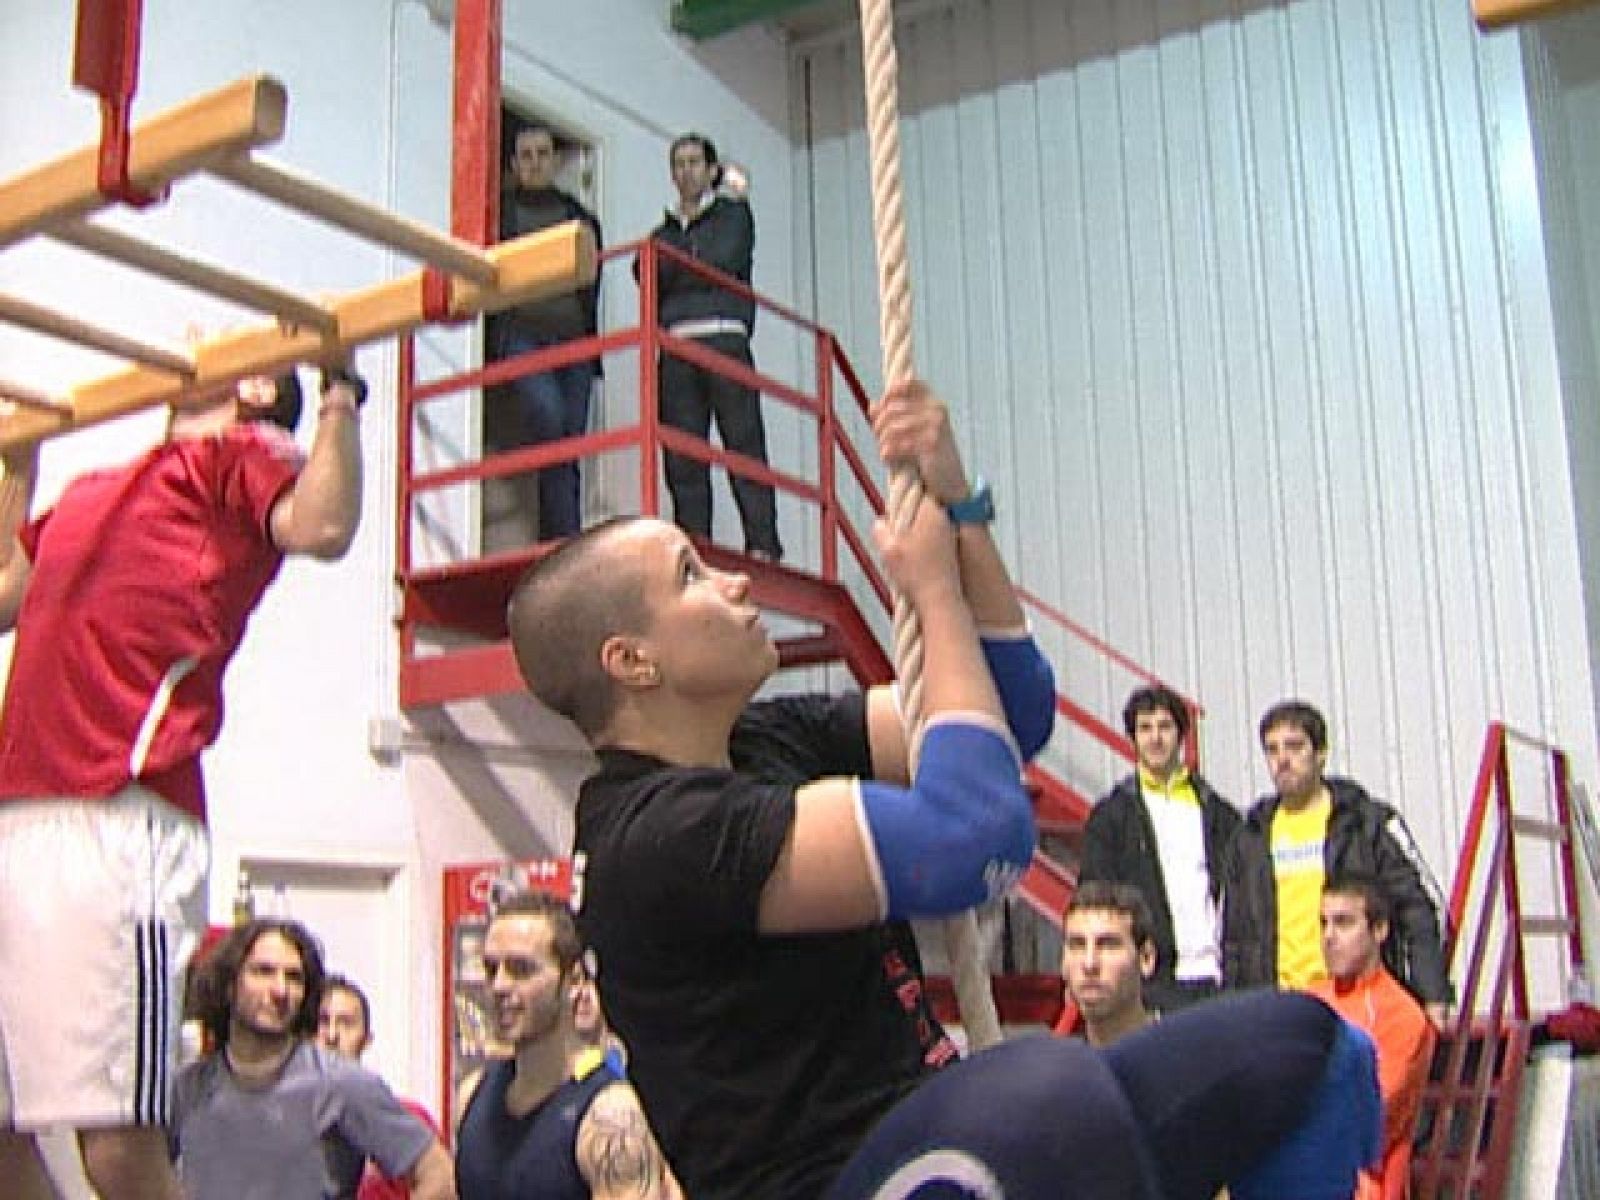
128 599
344 1026
1355 922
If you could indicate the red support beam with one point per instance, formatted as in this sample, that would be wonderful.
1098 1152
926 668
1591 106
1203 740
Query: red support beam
649 381
475 150
827 438
475 142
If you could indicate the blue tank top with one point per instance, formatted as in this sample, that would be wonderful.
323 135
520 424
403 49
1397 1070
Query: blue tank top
533 1157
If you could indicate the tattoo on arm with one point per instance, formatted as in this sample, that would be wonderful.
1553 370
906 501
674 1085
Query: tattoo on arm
616 1152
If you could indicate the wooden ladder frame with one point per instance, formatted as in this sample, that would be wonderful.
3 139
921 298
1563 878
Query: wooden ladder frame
1498 14
217 134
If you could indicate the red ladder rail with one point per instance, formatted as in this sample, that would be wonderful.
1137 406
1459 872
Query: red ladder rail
1470 1104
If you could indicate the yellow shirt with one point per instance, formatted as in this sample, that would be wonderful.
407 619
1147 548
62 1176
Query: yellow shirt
1297 842
1177 786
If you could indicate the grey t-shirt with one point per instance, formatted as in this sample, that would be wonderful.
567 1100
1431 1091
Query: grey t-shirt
304 1136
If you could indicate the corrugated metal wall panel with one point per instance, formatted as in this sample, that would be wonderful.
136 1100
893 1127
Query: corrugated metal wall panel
1241 303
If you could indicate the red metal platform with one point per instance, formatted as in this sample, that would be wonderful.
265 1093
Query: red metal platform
452 616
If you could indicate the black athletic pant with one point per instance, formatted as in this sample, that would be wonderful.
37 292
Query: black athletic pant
690 397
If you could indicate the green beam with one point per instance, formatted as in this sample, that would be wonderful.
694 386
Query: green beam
701 19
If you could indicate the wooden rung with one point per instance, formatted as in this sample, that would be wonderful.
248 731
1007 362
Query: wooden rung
542 264
28 398
70 329
1548 926
1494 14
1533 827
220 124
358 217
156 260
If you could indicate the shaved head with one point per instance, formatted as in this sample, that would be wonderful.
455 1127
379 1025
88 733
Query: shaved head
563 611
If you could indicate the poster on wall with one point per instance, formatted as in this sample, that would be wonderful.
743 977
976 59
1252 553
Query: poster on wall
470 894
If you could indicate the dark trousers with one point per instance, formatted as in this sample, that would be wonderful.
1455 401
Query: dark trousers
690 397
553 405
1203 1098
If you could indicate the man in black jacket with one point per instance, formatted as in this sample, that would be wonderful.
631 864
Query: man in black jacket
714 225
1166 832
553 404
1315 828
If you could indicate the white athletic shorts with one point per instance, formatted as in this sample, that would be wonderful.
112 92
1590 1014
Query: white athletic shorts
102 903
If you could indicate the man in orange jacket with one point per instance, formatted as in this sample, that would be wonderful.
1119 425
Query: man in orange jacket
1355 922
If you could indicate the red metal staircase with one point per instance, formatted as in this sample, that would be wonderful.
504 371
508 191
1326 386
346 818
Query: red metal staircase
832 611
1470 1105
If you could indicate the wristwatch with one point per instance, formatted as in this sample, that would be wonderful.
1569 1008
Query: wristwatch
976 509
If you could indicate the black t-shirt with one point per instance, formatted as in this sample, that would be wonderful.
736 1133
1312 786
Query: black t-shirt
761 1061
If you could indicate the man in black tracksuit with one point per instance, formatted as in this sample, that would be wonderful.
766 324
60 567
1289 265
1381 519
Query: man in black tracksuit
713 225
1167 832
1354 834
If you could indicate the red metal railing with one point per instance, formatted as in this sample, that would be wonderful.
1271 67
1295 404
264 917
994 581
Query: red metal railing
836 402
1470 1105
830 366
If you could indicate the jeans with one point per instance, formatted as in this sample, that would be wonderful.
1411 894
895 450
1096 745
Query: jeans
553 405
690 397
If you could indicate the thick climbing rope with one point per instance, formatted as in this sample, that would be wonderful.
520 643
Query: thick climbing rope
969 971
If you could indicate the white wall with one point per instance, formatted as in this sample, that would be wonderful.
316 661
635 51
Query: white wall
1244 306
1563 63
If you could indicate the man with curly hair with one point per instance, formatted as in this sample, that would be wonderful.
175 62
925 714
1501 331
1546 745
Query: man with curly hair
269 1113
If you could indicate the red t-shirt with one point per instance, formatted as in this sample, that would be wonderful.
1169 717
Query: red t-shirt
142 580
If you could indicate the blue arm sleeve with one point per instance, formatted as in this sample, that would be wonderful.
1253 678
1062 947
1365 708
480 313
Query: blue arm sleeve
1342 1132
1027 688
962 833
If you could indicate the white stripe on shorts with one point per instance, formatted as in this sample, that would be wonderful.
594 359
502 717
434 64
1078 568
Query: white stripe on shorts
150 1083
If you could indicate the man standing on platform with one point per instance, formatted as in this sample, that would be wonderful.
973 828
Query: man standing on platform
711 223
553 404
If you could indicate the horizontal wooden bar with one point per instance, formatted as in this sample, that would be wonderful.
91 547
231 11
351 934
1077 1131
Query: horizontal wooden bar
1496 14
29 398
1533 827
229 285
355 216
218 125
541 264
32 316
1548 926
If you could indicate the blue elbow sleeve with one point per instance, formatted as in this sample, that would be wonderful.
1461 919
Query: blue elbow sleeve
1341 1133
1027 688
961 834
